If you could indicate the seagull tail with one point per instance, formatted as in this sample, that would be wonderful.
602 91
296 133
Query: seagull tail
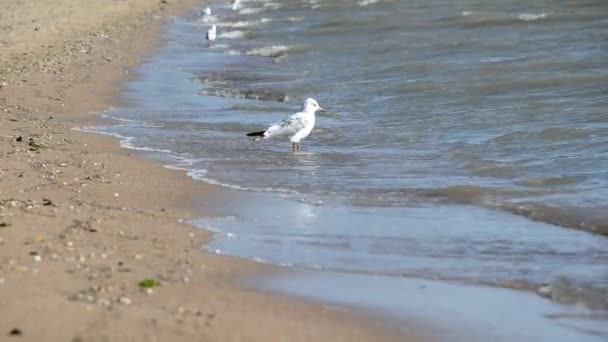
257 135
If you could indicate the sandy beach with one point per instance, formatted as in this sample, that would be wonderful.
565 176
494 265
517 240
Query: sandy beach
92 244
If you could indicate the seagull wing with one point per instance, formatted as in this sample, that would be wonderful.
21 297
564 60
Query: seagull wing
289 126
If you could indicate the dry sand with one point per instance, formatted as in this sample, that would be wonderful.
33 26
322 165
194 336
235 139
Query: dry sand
83 222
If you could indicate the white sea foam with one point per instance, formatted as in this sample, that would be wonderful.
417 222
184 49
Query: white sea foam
248 11
125 142
531 16
272 5
198 175
236 24
232 34
128 144
244 23
367 2
268 51
107 116
294 19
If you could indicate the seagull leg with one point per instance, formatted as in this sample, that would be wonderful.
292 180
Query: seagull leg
298 146
293 146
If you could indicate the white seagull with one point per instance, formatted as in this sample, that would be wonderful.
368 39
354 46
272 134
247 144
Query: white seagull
236 4
212 33
207 11
297 126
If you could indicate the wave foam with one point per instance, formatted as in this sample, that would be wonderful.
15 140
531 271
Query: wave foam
269 51
367 2
531 16
232 34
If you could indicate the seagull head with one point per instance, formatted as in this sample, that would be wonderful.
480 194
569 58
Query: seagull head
311 105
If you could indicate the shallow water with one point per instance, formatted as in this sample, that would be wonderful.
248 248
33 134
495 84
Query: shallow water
453 312
465 141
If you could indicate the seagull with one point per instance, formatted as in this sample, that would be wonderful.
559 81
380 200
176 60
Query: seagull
297 126
207 11
236 4
212 33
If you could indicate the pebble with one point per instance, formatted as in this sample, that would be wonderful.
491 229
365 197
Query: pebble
149 291
37 258
544 291
63 164
116 194
103 302
125 300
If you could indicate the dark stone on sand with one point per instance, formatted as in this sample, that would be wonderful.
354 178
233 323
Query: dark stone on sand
46 202
15 332
19 139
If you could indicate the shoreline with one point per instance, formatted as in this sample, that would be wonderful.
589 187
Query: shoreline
85 221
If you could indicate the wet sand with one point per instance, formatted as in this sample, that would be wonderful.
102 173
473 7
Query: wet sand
83 222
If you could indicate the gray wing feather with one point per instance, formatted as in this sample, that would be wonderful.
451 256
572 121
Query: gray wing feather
290 125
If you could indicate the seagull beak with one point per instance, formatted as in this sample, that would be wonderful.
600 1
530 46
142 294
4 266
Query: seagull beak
321 109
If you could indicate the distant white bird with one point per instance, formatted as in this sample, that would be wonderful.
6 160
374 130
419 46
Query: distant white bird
297 126
207 11
212 33
236 4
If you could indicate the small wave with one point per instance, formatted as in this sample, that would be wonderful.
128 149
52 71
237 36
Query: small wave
563 290
250 94
548 181
593 220
269 51
477 19
546 134
367 2
201 177
272 5
248 11
107 116
241 24
125 142
232 34
294 19
128 144
488 168
531 16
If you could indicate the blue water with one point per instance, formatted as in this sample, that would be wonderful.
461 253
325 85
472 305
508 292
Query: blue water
465 142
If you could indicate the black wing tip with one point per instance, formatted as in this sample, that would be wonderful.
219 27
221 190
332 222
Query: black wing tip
256 134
